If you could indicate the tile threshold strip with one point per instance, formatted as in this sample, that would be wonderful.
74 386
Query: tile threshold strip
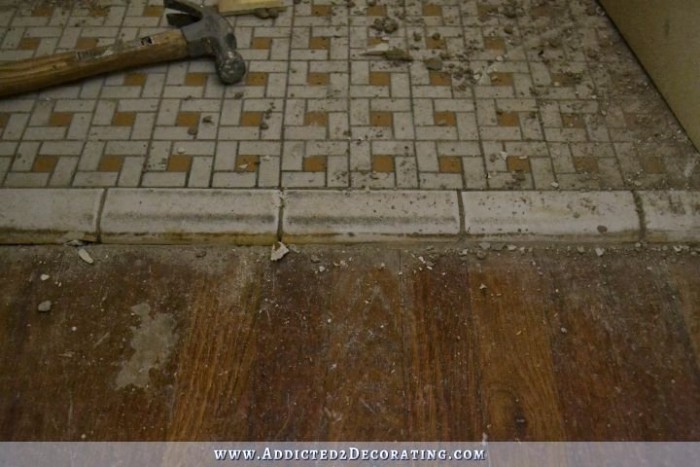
260 217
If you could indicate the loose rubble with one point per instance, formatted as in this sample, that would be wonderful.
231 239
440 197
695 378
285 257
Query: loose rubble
44 307
279 250
85 256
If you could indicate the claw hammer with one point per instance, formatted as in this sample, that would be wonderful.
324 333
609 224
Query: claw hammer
201 31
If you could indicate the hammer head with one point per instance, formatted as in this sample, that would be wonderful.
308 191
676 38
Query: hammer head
208 33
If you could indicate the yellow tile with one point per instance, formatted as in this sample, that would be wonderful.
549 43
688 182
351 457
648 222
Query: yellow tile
508 119
432 43
153 11
383 119
317 79
652 164
379 78
484 11
187 119
196 79
44 163
572 121
315 164
261 43
60 119
518 164
256 79
494 43
376 10
29 43
316 118
450 164
84 43
445 118
247 163
251 118
586 164
564 79
110 163
321 10
541 11
134 79
320 43
501 79
382 163
179 163
439 78
43 10
124 119
432 10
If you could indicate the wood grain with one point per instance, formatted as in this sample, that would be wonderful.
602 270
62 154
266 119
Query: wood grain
38 73
350 344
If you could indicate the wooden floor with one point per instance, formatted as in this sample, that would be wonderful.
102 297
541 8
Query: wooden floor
154 343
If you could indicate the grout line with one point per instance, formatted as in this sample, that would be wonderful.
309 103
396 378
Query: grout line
462 214
280 214
100 212
639 208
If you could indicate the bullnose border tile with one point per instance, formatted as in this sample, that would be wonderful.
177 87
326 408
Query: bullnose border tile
546 215
172 216
317 216
46 215
671 216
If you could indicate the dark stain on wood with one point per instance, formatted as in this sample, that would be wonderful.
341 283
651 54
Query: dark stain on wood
361 343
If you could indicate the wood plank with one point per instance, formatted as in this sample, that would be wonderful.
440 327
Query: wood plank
340 340
684 278
282 351
239 7
622 366
518 386
441 372
217 354
60 367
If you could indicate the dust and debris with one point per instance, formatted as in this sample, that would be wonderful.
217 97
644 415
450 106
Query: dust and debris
279 250
398 55
44 277
266 13
85 256
152 341
386 25
599 251
433 63
44 307
377 49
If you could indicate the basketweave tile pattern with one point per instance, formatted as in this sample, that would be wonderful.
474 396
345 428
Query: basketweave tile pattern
501 94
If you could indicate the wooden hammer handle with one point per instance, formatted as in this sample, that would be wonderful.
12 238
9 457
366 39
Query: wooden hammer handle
38 73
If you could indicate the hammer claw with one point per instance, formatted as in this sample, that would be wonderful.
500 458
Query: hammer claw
180 20
184 6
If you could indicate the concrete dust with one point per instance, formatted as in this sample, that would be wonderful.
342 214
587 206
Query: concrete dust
152 342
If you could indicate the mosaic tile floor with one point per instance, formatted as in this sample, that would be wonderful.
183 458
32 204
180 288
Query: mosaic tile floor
519 94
